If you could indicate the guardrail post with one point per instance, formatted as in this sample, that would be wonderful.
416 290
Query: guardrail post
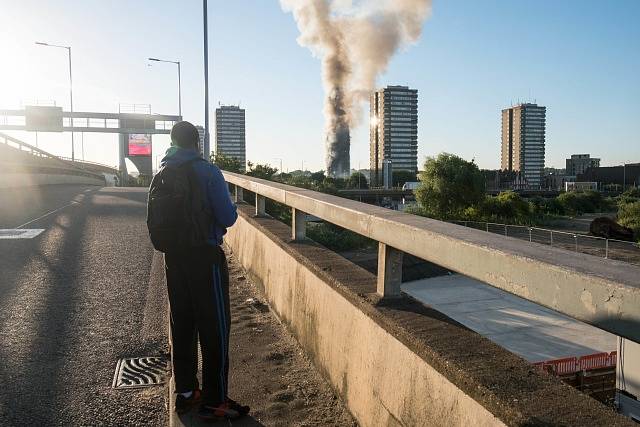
389 271
487 226
505 229
260 201
551 237
575 239
606 248
298 225
239 195
529 234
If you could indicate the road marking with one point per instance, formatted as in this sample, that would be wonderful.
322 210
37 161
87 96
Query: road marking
48 213
14 233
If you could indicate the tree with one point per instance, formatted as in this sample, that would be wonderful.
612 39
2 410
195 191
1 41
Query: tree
357 180
400 177
226 163
449 185
318 177
261 171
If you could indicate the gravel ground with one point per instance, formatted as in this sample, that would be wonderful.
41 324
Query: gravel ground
269 370
73 302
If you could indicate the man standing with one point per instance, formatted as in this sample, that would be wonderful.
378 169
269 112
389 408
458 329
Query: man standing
189 211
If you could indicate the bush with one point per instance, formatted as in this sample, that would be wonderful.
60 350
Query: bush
629 216
507 207
577 203
631 195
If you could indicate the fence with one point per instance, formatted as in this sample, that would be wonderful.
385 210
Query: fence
598 246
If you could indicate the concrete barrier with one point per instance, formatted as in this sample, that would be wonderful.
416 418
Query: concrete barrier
18 180
397 363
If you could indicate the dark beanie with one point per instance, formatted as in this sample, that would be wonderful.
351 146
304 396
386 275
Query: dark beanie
185 135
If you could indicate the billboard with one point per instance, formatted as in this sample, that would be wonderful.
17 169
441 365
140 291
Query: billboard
139 144
43 119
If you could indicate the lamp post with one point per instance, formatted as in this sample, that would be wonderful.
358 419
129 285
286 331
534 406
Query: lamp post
70 90
206 78
179 87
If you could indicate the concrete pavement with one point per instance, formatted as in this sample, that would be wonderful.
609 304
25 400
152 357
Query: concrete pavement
529 330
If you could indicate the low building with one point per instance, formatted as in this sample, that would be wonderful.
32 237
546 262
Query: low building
607 176
579 163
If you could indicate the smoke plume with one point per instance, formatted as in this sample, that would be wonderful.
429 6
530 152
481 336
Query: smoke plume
355 41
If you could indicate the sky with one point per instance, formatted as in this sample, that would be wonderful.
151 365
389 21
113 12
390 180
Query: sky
579 58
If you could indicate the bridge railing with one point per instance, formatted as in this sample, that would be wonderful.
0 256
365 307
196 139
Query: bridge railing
601 292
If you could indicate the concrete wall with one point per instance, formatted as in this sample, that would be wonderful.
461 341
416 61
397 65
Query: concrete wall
398 363
383 382
17 180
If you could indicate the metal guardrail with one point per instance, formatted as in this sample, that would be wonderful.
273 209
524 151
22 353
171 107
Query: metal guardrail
603 293
607 248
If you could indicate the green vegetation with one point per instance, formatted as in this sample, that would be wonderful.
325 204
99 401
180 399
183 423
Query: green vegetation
629 216
227 163
400 177
577 203
357 180
448 186
261 171
629 210
452 188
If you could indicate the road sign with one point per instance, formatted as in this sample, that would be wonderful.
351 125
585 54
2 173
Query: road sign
43 119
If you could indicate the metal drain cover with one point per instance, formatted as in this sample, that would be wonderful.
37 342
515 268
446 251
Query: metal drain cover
140 372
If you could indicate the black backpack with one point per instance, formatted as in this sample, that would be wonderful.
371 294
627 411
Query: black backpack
177 217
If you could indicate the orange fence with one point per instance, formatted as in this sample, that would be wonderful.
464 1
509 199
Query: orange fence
571 365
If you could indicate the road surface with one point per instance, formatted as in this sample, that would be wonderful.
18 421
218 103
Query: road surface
75 299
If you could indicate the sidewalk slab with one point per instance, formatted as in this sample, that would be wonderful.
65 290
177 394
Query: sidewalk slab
529 330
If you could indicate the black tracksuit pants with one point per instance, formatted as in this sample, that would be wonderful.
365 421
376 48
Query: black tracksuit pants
198 285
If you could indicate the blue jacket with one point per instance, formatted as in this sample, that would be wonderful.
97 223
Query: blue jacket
216 190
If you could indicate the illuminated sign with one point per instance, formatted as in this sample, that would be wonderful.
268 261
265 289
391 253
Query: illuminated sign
139 144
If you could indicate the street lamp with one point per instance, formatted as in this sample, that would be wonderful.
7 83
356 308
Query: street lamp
70 90
206 76
179 89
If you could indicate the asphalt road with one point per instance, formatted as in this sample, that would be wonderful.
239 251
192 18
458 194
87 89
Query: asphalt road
73 300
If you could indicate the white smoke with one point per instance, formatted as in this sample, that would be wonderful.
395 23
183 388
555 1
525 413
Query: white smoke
355 41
